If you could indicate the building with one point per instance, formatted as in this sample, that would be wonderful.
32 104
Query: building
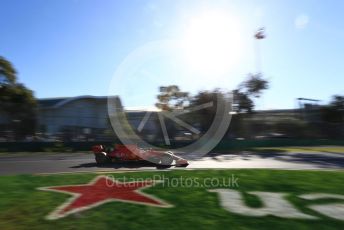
82 116
74 119
73 116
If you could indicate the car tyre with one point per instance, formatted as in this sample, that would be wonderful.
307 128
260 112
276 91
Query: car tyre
101 158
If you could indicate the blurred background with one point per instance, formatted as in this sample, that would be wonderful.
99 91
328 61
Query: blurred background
281 61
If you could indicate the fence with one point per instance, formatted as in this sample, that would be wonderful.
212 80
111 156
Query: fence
224 145
262 128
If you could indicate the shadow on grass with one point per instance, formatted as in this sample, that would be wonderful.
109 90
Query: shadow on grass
323 160
325 150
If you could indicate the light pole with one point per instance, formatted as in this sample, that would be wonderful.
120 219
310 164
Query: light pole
259 35
302 103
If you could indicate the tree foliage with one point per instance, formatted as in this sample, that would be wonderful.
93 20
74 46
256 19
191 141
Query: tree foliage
16 101
7 72
334 111
205 116
171 98
247 91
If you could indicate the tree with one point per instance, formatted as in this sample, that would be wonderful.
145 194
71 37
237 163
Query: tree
205 116
7 72
247 90
16 101
242 102
171 98
338 102
334 111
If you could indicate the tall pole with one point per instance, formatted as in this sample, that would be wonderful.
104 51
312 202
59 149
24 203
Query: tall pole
259 35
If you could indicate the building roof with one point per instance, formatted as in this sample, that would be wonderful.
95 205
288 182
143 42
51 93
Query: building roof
50 102
60 101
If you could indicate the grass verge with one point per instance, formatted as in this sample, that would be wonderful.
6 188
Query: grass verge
305 149
22 206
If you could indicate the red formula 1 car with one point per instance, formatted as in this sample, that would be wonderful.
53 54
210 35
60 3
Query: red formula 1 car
127 153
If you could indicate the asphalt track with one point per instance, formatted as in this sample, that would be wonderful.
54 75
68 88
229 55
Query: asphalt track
81 162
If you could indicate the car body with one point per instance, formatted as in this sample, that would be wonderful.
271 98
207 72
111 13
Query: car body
127 153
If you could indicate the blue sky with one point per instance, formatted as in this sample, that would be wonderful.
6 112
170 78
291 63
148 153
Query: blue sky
71 47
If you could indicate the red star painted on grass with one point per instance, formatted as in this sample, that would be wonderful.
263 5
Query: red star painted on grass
102 190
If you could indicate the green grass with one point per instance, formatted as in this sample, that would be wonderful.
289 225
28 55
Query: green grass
22 206
305 149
